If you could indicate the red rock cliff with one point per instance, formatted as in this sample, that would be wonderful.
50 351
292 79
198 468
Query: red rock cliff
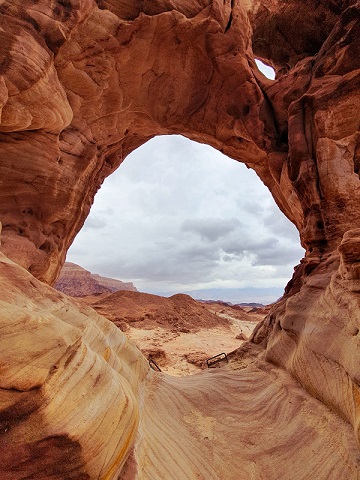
78 282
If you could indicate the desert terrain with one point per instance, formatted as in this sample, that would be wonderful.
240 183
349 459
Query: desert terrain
178 333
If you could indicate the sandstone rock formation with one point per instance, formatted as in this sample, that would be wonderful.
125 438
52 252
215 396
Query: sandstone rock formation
82 84
78 282
57 360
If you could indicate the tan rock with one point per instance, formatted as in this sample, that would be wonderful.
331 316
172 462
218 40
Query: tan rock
57 360
171 331
145 311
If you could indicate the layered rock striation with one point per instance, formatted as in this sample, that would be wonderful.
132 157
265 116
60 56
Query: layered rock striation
78 282
85 82
69 388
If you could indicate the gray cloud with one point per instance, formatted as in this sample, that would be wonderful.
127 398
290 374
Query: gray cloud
251 245
280 255
210 228
178 215
195 261
95 222
279 224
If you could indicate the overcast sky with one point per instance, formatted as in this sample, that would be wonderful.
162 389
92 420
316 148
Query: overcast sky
178 215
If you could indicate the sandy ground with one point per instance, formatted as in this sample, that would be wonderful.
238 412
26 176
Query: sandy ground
178 333
178 353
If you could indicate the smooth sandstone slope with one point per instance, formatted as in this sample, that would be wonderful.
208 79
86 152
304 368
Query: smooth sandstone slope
69 385
85 82
255 423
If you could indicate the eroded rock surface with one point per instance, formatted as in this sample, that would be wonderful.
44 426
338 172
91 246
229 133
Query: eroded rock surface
85 82
143 309
69 387
78 282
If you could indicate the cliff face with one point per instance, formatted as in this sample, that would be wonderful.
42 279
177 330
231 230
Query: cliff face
85 82
78 282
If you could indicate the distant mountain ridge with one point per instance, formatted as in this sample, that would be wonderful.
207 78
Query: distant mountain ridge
78 282
247 295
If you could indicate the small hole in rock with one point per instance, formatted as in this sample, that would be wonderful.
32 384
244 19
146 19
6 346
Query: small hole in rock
28 211
268 71
46 247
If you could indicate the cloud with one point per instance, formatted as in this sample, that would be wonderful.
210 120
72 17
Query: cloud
95 222
249 244
195 262
277 256
279 224
210 228
178 216
268 71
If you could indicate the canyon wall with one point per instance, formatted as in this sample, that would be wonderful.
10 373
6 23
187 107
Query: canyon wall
82 84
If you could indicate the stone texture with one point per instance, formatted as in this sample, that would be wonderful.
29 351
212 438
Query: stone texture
57 360
85 82
249 423
78 282
167 329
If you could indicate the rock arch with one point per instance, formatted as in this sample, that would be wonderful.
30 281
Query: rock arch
85 82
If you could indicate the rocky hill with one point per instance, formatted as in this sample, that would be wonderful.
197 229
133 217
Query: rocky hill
178 333
78 282
143 310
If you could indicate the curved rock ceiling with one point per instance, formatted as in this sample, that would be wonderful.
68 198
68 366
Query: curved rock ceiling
85 82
